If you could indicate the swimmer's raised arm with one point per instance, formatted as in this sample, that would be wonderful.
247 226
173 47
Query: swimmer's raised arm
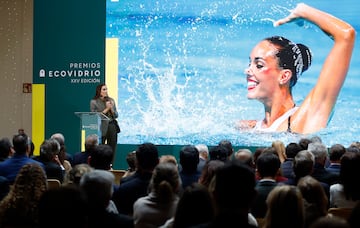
319 103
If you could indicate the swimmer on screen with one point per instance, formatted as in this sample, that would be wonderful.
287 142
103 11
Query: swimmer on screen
276 64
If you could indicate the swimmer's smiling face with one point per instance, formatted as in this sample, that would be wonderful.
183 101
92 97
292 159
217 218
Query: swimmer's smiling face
263 73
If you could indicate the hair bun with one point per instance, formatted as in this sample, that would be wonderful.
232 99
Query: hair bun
306 56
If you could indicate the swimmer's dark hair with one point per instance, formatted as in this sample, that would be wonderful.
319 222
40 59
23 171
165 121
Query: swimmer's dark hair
295 57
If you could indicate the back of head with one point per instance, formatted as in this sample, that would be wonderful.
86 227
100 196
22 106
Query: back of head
285 207
234 186
319 151
268 165
304 142
5 148
49 149
336 152
228 146
292 149
21 143
303 163
131 160
203 150
189 158
98 186
350 166
77 171
91 142
209 171
101 157
313 192
147 156
56 201
165 181
194 207
30 183
59 137
219 153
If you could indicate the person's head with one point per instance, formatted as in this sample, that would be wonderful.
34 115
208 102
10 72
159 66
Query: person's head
76 172
165 181
209 170
98 187
314 194
319 151
168 158
65 199
276 62
91 142
101 157
101 91
147 157
279 146
194 207
303 164
219 153
6 148
49 149
292 149
233 187
304 142
203 151
245 156
61 140
21 144
268 165
285 206
336 151
228 146
350 166
189 158
131 160
30 183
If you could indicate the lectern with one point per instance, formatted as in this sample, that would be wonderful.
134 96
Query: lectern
90 123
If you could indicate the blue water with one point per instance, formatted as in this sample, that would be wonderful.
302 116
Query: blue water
181 69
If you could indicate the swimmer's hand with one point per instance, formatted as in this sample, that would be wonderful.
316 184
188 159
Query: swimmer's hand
294 16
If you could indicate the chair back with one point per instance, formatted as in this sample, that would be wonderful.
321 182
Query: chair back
53 183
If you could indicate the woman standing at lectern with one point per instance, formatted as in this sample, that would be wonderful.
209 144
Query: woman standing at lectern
101 102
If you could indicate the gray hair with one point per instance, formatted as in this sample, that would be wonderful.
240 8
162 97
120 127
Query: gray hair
319 150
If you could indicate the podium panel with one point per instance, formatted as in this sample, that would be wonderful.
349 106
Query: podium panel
90 123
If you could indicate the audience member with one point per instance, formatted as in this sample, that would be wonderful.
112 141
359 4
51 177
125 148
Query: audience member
203 155
354 217
232 199
280 149
209 171
228 146
285 208
65 206
136 185
6 149
286 167
195 207
189 159
320 153
316 201
268 165
101 157
10 167
346 193
19 208
160 204
131 162
49 151
219 153
64 157
245 156
304 142
168 158
74 175
91 142
98 187
335 153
